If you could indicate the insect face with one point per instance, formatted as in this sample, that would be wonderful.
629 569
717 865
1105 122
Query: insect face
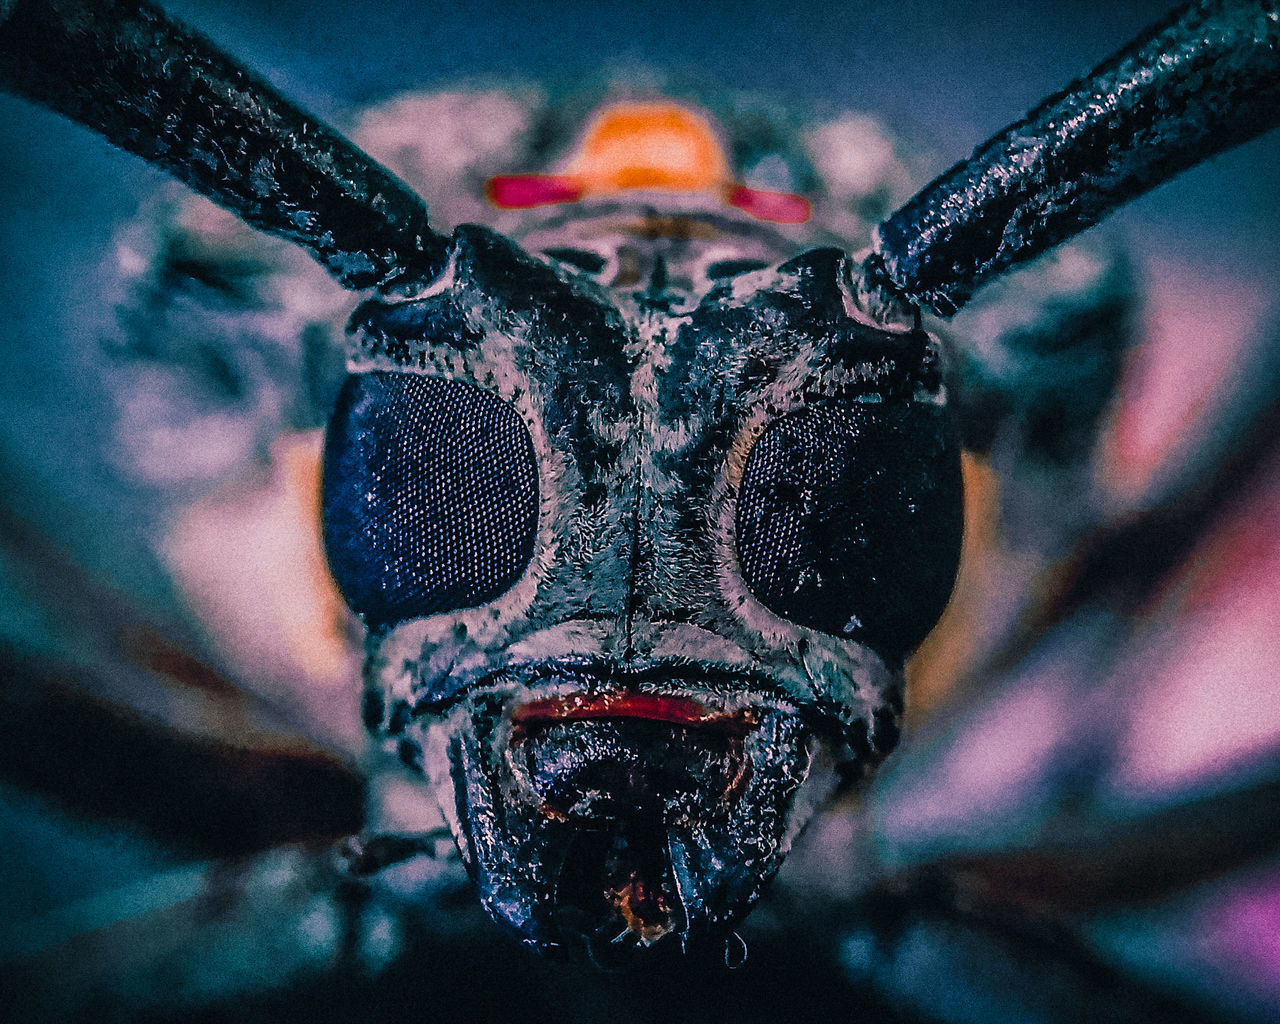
641 566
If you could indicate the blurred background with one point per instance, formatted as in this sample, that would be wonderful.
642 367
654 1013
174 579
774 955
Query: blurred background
1085 808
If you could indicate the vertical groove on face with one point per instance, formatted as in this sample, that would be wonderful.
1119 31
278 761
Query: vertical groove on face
430 496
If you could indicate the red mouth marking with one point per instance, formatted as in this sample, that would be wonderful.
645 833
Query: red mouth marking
682 711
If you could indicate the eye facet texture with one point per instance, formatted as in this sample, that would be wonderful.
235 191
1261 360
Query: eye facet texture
430 496
849 521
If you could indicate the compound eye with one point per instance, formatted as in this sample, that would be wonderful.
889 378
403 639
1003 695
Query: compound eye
849 521
430 496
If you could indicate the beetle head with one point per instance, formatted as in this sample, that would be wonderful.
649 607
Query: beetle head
641 569
634 563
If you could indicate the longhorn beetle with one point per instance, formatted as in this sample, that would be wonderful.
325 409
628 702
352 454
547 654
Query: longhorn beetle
641 554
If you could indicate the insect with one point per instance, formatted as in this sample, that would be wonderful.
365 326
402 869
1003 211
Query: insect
566 716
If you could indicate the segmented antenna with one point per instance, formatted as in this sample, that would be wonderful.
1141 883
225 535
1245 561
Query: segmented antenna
1203 80
163 92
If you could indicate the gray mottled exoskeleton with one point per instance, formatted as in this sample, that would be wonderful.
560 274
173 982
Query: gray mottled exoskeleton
644 513
692 538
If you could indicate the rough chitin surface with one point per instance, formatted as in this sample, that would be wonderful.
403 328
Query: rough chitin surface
168 95
1204 80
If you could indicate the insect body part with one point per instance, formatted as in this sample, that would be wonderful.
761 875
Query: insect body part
642 564
661 146
642 535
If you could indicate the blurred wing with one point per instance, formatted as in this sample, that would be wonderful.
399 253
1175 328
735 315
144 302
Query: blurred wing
177 763
124 717
1104 781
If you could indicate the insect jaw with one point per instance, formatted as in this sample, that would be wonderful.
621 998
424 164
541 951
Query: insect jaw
594 757
593 804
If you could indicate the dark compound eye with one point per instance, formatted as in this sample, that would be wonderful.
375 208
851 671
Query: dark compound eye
430 496
849 521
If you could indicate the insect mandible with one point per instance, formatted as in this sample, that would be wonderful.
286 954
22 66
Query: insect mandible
641 562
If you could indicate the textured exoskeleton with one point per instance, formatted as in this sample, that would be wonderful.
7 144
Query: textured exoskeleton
695 538
642 555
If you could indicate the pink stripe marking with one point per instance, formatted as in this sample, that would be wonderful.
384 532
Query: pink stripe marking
521 191
779 207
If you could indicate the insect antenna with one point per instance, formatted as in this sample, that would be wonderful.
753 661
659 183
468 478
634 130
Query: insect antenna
159 90
1203 80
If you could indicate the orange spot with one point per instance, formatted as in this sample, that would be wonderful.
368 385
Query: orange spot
650 146
655 146
950 651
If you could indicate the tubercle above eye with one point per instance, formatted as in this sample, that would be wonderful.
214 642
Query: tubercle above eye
892 365
805 306
403 330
